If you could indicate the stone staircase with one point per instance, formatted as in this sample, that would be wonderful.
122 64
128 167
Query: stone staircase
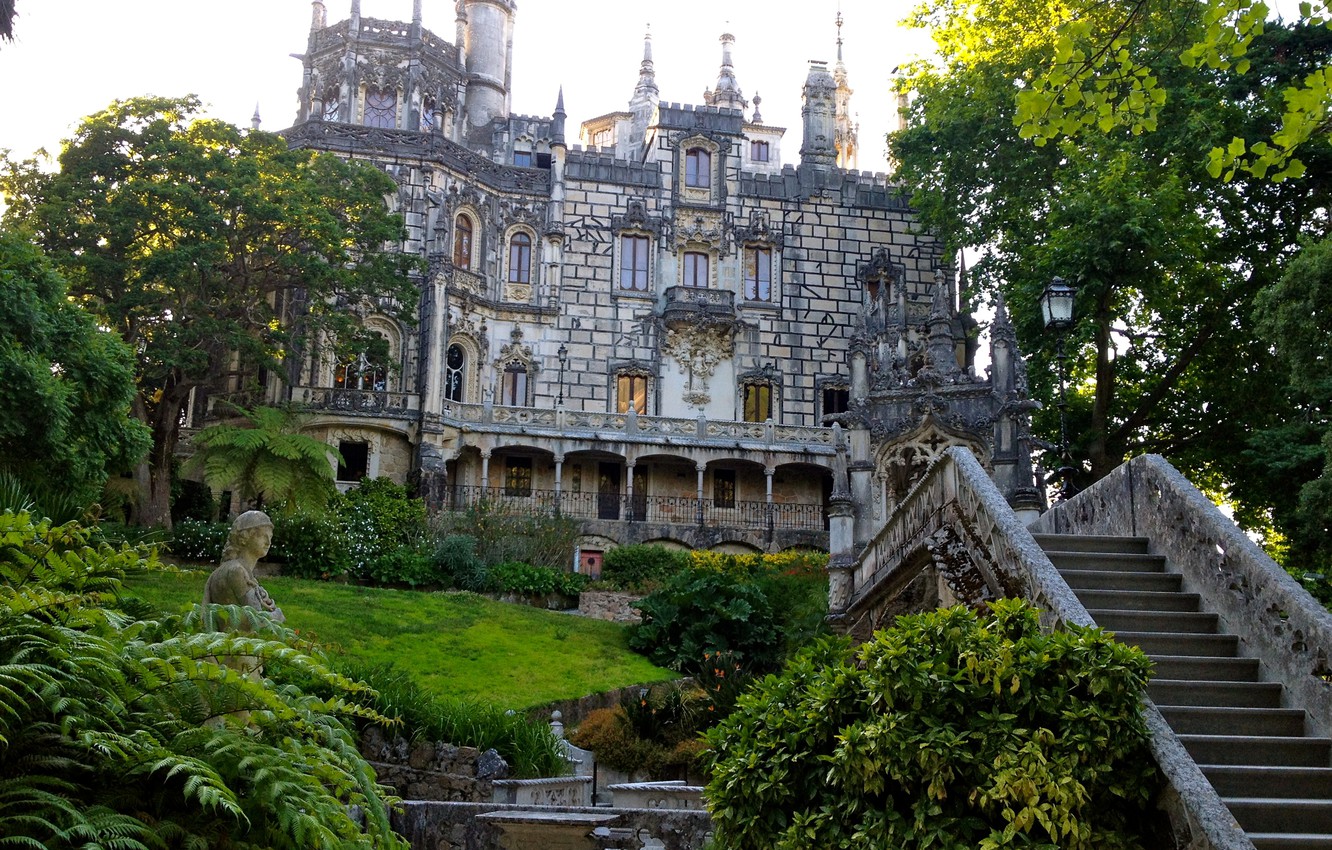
1275 778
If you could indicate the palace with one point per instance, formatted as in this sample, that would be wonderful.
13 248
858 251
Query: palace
661 327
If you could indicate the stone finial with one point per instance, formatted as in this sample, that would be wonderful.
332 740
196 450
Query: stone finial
355 17
557 120
646 90
758 119
727 91
818 114
254 119
318 15
416 11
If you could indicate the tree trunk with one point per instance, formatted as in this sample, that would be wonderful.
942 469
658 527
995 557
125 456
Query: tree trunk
153 475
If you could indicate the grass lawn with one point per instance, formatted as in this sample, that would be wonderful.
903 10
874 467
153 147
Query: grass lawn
455 644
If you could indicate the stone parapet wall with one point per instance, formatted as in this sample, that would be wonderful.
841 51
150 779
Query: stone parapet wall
454 826
438 771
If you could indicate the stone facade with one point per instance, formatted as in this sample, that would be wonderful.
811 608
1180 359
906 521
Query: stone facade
655 332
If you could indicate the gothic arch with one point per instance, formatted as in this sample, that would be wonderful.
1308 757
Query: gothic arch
899 464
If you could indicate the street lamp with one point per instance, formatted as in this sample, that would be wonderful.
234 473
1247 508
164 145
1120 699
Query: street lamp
1057 312
563 354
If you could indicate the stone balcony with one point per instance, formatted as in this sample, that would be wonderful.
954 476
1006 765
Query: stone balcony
688 305
395 405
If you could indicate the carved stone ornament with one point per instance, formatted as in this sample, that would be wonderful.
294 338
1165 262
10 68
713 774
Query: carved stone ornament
759 231
636 217
513 213
699 227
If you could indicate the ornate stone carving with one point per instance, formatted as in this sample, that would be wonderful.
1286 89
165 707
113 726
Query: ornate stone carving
695 227
697 349
759 230
636 217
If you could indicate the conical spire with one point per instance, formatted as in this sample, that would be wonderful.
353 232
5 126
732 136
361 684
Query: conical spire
727 91
846 131
646 90
254 119
557 120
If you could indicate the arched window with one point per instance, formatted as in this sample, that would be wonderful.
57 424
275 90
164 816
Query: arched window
364 372
332 108
381 108
455 372
698 168
462 242
520 258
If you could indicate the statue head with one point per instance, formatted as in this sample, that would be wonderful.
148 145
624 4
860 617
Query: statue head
250 536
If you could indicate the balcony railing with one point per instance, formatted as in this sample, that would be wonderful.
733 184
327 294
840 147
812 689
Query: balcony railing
680 510
365 402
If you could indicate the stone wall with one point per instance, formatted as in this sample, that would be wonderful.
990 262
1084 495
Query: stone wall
455 826
426 771
609 605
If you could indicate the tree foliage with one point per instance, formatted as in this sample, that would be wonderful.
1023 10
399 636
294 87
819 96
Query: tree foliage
119 730
268 461
212 252
1091 76
948 731
64 412
1165 356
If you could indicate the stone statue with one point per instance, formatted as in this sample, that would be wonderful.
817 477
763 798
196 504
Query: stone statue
233 582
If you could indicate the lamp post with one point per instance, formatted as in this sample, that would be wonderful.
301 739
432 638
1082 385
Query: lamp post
563 354
1057 312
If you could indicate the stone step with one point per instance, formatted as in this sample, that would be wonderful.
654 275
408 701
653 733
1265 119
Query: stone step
1194 622
1172 643
1275 814
1137 600
1290 841
1091 543
1255 781
1259 750
1175 692
1206 669
1118 580
1115 561
1229 720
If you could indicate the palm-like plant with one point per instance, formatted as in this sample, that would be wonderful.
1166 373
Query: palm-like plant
128 733
267 460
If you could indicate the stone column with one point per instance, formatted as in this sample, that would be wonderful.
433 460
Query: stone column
485 472
701 467
861 470
559 481
770 519
434 396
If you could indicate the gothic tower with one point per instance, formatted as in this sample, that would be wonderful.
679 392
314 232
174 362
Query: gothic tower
817 149
487 48
845 136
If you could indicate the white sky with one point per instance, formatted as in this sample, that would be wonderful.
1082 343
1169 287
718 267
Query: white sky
71 58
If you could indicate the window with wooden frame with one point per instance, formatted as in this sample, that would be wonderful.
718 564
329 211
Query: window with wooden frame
634 262
518 476
758 273
462 242
513 388
631 394
758 151
698 168
723 488
695 269
758 401
520 258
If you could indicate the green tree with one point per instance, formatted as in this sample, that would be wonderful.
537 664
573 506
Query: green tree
213 252
948 731
268 461
1167 259
64 412
124 730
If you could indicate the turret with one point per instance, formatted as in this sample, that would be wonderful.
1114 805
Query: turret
318 15
846 131
646 95
487 49
818 112
727 91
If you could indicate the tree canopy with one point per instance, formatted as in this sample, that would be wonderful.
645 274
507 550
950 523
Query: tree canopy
212 251
64 412
1168 260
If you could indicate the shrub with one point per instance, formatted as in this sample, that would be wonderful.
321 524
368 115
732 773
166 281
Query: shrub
655 730
196 540
530 747
698 613
503 534
524 578
404 565
641 568
192 500
950 731
455 562
310 546
384 512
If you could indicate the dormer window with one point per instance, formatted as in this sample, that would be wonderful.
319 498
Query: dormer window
698 168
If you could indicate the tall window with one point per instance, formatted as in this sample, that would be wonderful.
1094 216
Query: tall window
695 269
362 372
454 372
381 108
520 258
462 242
331 105
723 488
698 168
513 391
758 274
634 263
355 463
758 151
518 476
758 402
631 394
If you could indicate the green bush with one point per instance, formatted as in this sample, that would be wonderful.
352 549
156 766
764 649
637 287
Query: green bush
642 567
404 565
455 562
504 534
655 731
192 500
196 540
529 747
310 546
949 731
378 517
516 577
698 613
